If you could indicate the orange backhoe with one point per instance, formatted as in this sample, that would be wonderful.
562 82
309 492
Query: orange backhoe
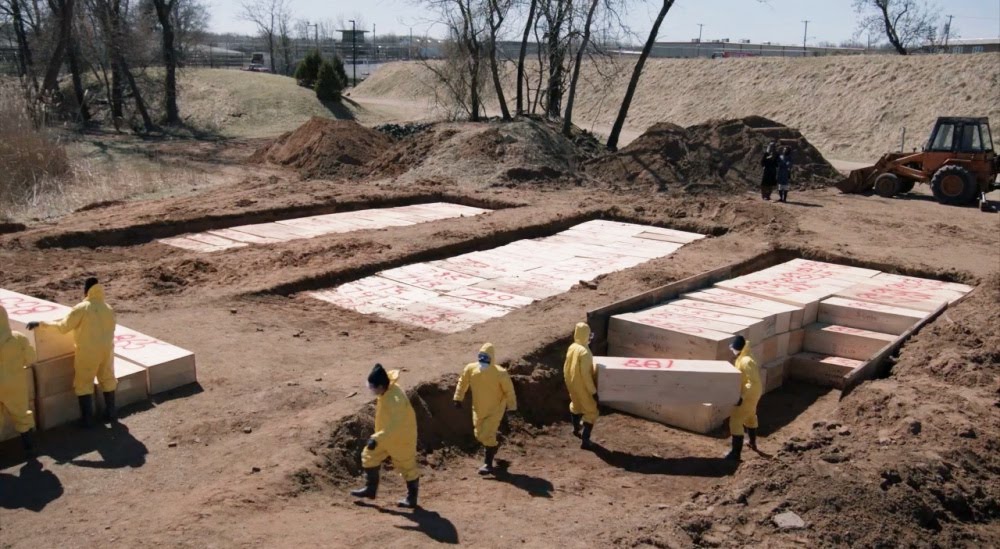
958 161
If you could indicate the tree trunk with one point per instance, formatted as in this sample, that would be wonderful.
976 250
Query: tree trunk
636 73
117 81
73 59
140 105
890 30
270 50
556 57
568 117
25 63
521 84
172 115
495 21
63 11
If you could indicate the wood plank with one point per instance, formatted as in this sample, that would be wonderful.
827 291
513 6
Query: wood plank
768 320
920 299
655 381
867 315
185 243
53 376
22 309
58 409
833 269
698 418
244 237
520 286
783 312
168 366
755 329
822 369
843 341
133 385
796 341
773 374
432 278
659 316
215 240
914 283
628 335
492 297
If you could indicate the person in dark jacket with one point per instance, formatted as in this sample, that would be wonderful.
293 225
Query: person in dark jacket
784 174
770 176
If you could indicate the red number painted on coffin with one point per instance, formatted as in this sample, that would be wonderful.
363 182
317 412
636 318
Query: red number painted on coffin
134 343
649 363
20 306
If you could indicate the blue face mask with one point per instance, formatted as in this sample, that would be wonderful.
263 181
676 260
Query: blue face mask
484 360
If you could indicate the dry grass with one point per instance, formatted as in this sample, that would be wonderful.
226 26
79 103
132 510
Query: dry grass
30 159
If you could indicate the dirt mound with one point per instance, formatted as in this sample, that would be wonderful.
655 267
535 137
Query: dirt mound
957 348
325 148
483 154
718 155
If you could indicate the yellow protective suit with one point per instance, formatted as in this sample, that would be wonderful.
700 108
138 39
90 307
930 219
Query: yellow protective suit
745 415
395 432
93 325
492 396
578 371
16 354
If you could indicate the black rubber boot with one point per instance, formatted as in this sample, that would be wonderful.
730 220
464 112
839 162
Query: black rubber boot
487 468
734 454
412 490
110 411
371 485
86 411
576 419
585 443
752 438
28 444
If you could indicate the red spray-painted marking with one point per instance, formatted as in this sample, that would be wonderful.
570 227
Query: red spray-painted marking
19 306
650 363
134 343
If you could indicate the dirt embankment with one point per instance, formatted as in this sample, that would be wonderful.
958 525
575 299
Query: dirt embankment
850 107
325 148
720 155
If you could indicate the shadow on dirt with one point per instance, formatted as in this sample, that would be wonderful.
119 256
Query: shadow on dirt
536 487
780 407
116 446
432 524
652 465
33 488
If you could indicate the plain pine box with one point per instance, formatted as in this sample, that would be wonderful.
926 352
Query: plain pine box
54 376
866 315
843 341
22 309
822 369
657 381
631 336
167 366
698 418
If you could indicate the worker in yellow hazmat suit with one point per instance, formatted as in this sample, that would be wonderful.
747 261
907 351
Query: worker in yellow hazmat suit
16 354
93 325
395 437
492 396
578 371
745 413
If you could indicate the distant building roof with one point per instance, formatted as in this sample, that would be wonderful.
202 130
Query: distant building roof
973 41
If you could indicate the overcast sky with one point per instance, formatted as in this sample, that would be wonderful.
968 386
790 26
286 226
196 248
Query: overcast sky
770 20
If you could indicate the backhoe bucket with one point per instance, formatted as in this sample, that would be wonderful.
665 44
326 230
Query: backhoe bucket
858 181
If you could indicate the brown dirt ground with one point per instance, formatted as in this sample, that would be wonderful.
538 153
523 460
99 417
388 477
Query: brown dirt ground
910 461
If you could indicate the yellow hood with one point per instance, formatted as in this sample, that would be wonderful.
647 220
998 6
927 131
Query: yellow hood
5 333
581 334
393 376
490 350
96 293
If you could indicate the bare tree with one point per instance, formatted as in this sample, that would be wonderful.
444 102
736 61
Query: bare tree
557 15
904 22
616 130
580 52
26 68
62 12
497 11
528 25
115 29
267 15
164 14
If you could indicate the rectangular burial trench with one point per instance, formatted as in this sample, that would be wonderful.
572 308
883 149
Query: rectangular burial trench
455 287
828 321
148 232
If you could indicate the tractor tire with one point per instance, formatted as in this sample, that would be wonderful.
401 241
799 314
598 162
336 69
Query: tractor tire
954 185
906 186
887 185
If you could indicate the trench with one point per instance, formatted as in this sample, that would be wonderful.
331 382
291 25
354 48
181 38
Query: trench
147 232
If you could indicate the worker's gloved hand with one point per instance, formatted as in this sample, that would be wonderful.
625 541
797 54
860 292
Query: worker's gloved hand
739 402
32 325
458 404
372 443
597 400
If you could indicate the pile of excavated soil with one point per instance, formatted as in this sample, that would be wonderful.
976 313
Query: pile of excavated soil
484 154
717 155
325 148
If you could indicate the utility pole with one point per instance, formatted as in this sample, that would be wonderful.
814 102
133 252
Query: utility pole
374 48
354 52
316 28
409 50
701 26
947 31
805 35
